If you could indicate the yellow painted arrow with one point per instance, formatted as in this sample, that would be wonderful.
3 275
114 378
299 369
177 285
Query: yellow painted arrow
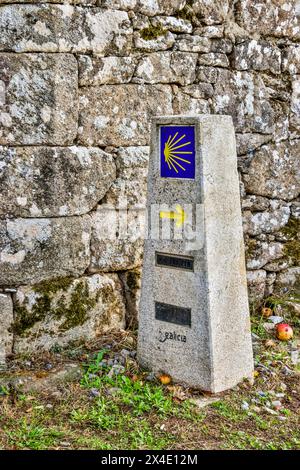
178 215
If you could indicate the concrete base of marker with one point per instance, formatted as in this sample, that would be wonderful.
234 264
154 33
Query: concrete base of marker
211 349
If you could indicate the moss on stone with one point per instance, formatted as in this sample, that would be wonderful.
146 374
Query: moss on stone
53 286
106 293
292 228
292 251
292 247
152 32
250 247
74 311
132 280
187 12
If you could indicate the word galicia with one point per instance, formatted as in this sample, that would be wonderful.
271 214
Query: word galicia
169 335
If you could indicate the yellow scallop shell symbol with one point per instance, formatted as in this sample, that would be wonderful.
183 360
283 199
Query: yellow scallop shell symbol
172 152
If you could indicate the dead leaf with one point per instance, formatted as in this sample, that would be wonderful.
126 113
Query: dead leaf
165 379
270 343
177 392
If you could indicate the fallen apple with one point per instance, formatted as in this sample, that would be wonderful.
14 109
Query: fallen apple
165 379
284 332
266 312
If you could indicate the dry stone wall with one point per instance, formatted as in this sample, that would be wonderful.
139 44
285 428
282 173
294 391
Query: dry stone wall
79 82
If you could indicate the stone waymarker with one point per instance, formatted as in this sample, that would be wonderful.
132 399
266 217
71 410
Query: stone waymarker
194 317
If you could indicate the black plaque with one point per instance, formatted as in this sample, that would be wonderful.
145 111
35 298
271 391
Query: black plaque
173 261
173 314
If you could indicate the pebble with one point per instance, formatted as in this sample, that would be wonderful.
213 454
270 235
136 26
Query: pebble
287 371
283 386
151 377
48 366
282 418
295 357
49 406
255 400
275 319
65 444
112 391
245 406
276 404
269 326
121 360
270 411
125 353
94 392
256 409
116 370
92 376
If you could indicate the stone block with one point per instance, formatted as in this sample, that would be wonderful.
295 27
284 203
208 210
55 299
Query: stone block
187 43
105 70
214 59
6 320
288 281
256 284
295 107
244 96
120 115
257 55
53 181
268 221
64 28
173 24
161 42
63 311
274 171
116 239
211 11
261 253
191 99
167 67
291 60
38 103
160 7
33 250
130 187
269 17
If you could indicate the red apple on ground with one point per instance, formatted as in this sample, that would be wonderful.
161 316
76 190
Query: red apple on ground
284 331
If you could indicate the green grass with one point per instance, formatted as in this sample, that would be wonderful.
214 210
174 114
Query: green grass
139 396
242 440
32 436
229 411
106 411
